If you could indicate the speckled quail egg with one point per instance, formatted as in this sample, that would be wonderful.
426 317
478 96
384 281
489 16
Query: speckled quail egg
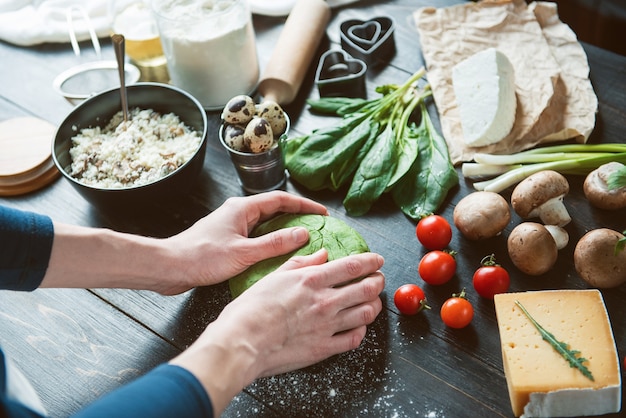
274 114
239 110
258 135
233 136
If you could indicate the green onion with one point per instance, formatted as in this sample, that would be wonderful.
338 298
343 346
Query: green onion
577 159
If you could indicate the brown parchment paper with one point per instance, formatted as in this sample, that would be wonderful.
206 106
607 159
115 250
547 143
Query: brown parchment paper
555 99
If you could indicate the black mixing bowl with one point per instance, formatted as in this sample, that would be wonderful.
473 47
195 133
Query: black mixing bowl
98 111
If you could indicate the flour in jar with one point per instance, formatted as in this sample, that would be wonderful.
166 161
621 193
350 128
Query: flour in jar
210 48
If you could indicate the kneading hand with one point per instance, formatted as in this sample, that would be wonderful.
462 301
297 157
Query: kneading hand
217 247
304 312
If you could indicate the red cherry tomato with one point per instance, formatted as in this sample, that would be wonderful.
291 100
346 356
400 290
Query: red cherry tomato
410 299
437 267
457 311
490 278
434 232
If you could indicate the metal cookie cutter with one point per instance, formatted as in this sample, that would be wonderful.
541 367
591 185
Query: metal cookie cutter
84 80
340 75
371 41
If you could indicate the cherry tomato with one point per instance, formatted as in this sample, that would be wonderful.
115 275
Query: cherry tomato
457 311
410 299
434 232
490 278
437 267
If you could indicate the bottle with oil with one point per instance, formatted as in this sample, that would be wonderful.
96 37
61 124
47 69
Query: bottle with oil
134 20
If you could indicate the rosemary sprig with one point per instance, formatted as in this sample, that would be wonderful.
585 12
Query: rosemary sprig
562 348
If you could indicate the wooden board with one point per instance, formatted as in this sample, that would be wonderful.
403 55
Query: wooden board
26 155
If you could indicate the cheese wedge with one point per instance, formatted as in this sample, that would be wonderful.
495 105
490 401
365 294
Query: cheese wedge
540 381
484 85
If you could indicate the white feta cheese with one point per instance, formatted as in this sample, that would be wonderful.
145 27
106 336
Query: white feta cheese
484 85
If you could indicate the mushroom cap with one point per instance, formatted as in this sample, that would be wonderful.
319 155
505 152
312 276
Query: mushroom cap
481 215
537 189
595 259
596 189
532 248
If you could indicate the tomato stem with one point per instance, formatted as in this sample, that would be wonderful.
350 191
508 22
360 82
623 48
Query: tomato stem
489 260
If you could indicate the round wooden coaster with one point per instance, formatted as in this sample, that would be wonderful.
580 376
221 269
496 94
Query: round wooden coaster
25 155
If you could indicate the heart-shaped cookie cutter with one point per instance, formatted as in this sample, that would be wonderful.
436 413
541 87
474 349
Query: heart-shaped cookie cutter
340 75
371 41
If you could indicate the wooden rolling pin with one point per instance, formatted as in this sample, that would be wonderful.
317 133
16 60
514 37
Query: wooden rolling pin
304 29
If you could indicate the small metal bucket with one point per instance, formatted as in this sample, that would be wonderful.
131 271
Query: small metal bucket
261 172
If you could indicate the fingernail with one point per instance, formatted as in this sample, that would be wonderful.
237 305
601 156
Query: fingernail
300 235
381 260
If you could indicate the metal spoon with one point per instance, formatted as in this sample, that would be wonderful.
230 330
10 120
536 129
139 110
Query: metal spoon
120 53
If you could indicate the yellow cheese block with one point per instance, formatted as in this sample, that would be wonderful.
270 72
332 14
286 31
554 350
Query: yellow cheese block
541 382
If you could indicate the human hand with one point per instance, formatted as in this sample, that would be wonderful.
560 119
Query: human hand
306 311
217 247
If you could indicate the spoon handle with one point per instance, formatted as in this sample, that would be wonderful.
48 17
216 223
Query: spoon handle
120 52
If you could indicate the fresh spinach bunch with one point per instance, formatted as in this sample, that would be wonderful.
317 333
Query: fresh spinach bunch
376 148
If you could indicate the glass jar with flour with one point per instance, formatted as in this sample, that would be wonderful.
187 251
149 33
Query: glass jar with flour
210 48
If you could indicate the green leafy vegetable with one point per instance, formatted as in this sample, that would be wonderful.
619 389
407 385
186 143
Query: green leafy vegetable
572 356
376 148
337 237
337 105
431 171
372 175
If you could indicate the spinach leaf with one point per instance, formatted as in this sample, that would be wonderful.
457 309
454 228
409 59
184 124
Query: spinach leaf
331 105
344 172
425 186
407 146
373 174
316 156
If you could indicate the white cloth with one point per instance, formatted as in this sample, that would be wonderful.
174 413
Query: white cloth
283 7
32 22
24 22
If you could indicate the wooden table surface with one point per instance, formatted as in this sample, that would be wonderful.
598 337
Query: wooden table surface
75 345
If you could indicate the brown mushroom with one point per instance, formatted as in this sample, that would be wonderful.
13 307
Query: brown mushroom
534 247
541 195
597 260
597 190
481 215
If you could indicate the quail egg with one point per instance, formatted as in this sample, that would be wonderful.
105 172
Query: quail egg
233 136
239 110
274 114
258 136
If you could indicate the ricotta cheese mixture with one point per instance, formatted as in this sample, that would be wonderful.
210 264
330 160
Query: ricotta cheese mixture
142 150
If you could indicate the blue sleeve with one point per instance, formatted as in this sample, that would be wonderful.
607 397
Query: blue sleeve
25 248
167 391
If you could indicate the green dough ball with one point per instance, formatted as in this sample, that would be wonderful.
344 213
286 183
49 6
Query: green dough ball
337 237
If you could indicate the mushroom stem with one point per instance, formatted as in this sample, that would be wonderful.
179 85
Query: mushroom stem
552 212
560 235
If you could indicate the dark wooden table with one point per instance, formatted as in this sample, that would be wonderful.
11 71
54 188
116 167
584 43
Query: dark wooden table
75 345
